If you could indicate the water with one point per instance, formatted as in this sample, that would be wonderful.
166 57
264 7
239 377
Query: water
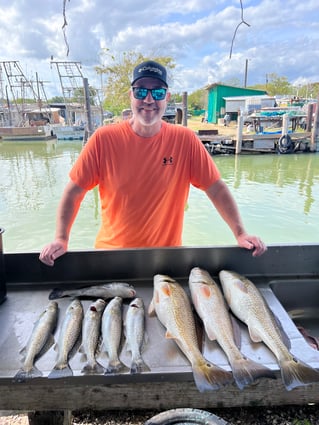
278 197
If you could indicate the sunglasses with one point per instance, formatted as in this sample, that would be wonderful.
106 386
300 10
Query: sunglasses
140 93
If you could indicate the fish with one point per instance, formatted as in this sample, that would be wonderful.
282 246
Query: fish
248 304
112 335
104 291
69 336
210 306
91 332
136 335
173 309
40 341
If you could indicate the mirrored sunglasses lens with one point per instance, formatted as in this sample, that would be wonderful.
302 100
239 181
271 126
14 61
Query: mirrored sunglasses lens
158 94
139 93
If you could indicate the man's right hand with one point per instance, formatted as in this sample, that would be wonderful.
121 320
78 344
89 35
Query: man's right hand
52 251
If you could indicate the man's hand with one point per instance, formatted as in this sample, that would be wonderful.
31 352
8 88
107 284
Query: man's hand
52 251
253 243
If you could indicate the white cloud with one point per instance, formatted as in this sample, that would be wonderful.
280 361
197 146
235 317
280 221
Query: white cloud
281 37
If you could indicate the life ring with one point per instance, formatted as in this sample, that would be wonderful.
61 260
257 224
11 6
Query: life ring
285 144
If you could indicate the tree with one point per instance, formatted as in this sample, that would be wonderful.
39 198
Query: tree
197 100
118 71
275 85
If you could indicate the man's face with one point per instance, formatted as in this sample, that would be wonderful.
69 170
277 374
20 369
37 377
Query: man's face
148 111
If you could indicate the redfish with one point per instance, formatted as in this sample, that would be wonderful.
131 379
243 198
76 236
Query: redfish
173 309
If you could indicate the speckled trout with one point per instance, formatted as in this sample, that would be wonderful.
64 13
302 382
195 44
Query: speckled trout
210 305
104 291
69 336
40 341
91 331
173 309
112 334
247 303
135 335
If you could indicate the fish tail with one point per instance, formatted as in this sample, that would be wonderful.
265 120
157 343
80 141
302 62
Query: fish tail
23 375
296 373
60 371
138 365
246 371
93 369
116 366
210 377
56 293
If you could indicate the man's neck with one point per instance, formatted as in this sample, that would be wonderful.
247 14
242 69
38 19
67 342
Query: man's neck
144 130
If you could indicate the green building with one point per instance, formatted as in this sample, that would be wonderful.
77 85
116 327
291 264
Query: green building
216 99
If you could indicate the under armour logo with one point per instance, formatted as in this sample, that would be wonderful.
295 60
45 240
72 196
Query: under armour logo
168 161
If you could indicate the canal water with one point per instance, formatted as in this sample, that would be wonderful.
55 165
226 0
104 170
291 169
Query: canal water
278 197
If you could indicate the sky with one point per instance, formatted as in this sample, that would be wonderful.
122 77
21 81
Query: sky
273 36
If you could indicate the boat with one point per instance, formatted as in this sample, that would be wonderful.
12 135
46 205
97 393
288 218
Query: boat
42 132
21 118
68 132
76 109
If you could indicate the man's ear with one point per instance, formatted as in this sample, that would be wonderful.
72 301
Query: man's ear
168 96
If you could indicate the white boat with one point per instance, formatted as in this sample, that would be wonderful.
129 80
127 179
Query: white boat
42 132
68 132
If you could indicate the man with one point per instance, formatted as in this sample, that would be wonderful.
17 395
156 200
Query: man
144 167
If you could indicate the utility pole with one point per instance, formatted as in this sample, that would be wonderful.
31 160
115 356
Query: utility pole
246 73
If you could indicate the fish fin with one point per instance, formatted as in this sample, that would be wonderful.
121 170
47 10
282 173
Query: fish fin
296 373
56 293
60 372
46 346
116 367
151 309
236 330
166 290
139 366
208 376
254 336
168 335
95 369
75 347
22 353
246 371
23 375
241 286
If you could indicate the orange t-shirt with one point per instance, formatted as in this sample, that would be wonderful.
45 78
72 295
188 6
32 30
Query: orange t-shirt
143 182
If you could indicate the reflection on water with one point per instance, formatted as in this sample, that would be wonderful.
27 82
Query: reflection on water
278 196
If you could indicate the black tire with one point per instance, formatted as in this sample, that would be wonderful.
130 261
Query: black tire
285 144
185 416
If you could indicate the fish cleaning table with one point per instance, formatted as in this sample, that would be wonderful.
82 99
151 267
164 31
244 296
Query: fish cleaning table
287 276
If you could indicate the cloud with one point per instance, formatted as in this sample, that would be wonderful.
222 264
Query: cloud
281 37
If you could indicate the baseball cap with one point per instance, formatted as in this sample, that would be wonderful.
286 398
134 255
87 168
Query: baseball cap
150 69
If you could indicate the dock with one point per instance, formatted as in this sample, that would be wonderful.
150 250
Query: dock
265 142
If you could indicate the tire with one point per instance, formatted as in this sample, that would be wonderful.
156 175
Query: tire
285 144
185 416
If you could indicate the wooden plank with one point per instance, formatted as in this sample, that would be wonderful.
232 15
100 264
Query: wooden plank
149 395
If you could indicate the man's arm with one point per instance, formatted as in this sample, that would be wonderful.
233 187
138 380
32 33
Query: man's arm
225 204
66 214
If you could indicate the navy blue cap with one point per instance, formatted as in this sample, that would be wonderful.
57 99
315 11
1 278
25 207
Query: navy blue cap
150 69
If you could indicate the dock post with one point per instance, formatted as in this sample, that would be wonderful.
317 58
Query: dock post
285 124
315 129
239 139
